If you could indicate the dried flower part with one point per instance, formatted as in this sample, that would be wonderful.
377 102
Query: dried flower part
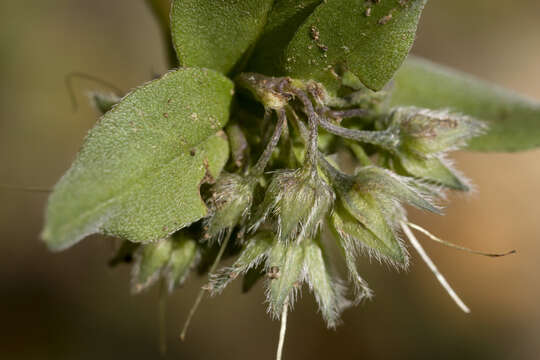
425 132
297 202
232 196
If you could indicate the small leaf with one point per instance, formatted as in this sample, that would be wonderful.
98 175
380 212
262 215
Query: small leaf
216 34
327 289
339 36
137 176
183 258
288 260
513 120
283 21
150 261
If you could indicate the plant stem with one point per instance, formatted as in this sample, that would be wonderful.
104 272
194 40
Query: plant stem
384 139
283 329
313 118
162 317
259 167
201 292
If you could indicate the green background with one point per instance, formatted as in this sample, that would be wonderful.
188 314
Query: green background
70 305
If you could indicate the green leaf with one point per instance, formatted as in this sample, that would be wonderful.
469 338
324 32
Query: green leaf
288 260
328 290
137 176
216 34
514 120
339 36
283 22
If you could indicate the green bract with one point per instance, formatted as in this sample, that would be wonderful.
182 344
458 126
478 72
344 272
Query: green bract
138 173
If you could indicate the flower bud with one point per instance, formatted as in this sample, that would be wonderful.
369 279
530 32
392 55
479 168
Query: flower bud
232 196
298 201
424 137
424 132
369 211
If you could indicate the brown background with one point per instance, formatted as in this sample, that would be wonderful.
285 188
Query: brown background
71 306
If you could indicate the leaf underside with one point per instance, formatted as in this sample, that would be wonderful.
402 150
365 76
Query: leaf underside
138 173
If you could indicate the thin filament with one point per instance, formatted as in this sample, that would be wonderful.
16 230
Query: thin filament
433 268
283 329
201 292
449 244
259 167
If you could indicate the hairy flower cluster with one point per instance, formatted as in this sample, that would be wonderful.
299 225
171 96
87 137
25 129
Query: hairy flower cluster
299 197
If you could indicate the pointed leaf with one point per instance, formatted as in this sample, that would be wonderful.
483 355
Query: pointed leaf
339 36
137 176
513 120
216 34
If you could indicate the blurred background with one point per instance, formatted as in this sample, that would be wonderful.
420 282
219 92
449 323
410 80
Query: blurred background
70 305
